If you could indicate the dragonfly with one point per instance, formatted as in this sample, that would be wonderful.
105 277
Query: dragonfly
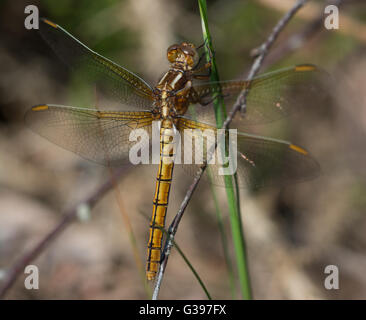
182 100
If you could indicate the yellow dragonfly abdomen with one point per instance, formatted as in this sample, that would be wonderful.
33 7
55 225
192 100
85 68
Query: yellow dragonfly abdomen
161 198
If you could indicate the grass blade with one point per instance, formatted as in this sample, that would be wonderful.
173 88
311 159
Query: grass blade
231 186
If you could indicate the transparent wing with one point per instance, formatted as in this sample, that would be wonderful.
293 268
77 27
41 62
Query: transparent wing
260 160
110 78
271 97
102 137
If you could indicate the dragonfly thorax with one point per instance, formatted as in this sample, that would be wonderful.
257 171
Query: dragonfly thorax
171 92
164 105
172 81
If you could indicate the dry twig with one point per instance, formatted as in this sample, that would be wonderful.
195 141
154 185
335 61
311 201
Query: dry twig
68 217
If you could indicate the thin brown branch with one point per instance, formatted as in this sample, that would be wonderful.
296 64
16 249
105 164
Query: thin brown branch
68 217
239 104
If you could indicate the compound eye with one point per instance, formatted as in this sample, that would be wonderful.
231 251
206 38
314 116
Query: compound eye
173 47
187 50
190 51
172 53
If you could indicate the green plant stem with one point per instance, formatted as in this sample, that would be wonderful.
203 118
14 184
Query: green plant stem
231 186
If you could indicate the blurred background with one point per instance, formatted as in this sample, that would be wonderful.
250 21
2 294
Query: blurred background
292 233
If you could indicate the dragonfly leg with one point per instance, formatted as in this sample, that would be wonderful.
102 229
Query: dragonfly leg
207 66
202 76
203 44
206 99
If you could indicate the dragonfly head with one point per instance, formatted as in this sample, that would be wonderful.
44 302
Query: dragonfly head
184 53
